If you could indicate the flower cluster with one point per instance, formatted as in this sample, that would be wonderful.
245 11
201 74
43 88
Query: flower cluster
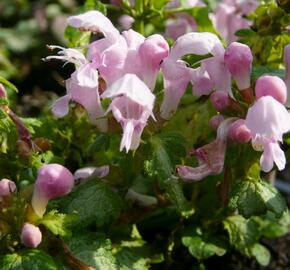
129 63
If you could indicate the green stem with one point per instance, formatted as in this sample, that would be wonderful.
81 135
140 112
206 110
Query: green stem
139 26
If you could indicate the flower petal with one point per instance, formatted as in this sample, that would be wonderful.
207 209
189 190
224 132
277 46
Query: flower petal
132 87
269 118
193 174
60 106
128 129
94 21
196 43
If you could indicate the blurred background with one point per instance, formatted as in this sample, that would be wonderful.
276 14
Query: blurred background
26 27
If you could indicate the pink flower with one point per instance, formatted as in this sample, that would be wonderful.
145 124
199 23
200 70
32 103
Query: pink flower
107 54
229 17
87 172
30 235
211 156
238 132
152 51
132 105
271 86
131 53
180 25
53 181
7 187
177 75
82 87
268 120
215 121
238 58
220 100
211 162
116 54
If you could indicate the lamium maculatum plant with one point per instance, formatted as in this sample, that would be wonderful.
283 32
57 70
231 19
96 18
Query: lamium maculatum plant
166 148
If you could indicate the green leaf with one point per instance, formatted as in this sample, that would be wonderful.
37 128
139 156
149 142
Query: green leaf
95 202
160 4
8 84
246 198
201 17
254 172
96 5
76 38
175 194
8 133
201 246
39 159
245 33
32 259
243 233
3 101
31 123
189 120
256 198
101 142
93 249
271 227
133 255
58 223
167 149
261 253
262 70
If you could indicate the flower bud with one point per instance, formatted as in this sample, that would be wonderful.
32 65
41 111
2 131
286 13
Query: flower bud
238 58
3 92
154 49
117 3
224 103
271 86
31 235
238 132
126 21
23 149
84 173
220 100
53 181
6 187
215 121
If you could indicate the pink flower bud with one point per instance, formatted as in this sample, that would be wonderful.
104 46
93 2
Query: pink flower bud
126 21
154 49
53 181
3 92
220 100
116 2
238 132
6 187
271 86
238 58
215 121
31 235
